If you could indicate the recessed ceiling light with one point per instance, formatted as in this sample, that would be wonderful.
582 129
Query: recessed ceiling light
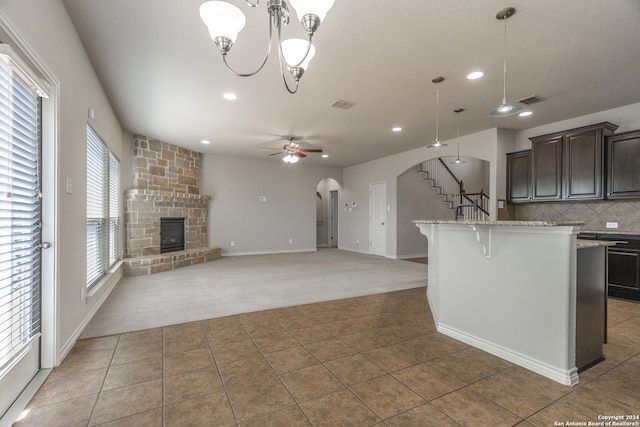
525 114
325 155
396 129
230 96
206 141
475 75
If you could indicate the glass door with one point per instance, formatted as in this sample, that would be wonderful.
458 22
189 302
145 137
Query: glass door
20 230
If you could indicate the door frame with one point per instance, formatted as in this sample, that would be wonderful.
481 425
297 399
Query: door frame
48 356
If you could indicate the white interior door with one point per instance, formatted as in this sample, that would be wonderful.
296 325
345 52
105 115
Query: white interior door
20 232
378 218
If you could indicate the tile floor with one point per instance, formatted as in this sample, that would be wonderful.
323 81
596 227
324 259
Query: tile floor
373 360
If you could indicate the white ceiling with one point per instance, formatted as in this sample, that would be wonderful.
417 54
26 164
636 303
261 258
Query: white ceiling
165 77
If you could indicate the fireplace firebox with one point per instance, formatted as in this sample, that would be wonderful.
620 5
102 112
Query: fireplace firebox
171 234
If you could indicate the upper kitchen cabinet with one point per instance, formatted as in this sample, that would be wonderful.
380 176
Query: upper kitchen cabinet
519 176
623 172
568 165
546 167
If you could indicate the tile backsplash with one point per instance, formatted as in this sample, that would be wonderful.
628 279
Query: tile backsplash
594 213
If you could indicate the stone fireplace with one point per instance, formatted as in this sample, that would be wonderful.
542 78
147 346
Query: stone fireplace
166 185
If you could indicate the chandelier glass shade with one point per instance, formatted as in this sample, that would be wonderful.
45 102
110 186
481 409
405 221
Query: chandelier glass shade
224 21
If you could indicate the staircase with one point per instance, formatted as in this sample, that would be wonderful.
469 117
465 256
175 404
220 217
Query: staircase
469 206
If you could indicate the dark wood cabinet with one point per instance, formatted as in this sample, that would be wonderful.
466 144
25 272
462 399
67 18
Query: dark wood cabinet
569 165
546 167
519 176
623 172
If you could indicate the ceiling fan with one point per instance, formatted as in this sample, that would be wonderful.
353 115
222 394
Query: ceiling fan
293 152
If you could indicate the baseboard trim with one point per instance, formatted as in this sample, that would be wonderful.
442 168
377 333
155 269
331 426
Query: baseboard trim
19 405
566 377
110 284
409 256
226 254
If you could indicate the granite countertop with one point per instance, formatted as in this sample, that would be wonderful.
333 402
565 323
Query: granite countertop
502 223
585 244
611 231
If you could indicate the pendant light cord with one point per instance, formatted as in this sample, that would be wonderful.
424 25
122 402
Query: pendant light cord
437 113
504 80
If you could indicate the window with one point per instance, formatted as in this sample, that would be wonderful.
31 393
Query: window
103 207
20 214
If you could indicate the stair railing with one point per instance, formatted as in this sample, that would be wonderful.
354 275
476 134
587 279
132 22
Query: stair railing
474 206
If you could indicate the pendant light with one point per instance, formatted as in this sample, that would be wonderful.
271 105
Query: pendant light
505 109
437 144
458 160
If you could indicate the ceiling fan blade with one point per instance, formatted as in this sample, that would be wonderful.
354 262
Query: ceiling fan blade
274 154
299 154
310 150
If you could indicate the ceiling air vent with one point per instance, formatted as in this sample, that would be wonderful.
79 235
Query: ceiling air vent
342 104
533 99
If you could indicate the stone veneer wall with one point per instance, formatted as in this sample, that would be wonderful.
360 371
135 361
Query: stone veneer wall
595 214
166 184
160 166
143 210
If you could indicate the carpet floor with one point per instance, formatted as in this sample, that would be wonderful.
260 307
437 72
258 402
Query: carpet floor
243 284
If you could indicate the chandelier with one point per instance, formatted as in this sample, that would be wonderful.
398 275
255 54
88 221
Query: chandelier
225 21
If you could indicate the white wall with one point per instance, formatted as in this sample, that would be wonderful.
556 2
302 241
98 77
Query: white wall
48 33
354 225
237 214
627 118
416 200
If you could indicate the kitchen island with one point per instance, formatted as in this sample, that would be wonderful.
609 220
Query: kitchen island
525 291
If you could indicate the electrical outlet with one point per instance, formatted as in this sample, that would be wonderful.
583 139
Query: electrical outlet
290 241
611 225
233 243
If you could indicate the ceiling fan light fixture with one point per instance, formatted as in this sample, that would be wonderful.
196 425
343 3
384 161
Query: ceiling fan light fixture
505 109
290 158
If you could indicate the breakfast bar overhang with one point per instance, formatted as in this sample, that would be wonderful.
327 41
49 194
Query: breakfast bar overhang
526 291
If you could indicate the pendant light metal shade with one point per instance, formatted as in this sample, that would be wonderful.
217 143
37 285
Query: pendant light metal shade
505 109
437 144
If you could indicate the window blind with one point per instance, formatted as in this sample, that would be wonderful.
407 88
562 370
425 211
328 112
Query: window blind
114 209
97 231
20 213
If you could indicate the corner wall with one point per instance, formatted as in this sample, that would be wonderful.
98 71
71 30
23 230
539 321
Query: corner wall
236 212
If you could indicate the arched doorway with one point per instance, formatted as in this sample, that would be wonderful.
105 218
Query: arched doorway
327 193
